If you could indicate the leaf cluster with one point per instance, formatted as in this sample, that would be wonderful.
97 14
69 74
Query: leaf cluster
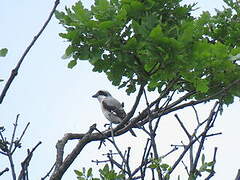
105 174
3 52
205 167
156 42
158 164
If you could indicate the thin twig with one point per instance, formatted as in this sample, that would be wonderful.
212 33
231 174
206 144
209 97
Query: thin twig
170 152
122 156
186 148
14 132
12 167
207 127
5 170
196 113
15 70
182 126
26 162
19 140
49 172
185 167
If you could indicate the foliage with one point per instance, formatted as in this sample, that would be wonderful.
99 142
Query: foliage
3 52
205 167
151 41
165 168
106 174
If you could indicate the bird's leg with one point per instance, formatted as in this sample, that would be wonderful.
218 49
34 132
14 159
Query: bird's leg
111 130
107 125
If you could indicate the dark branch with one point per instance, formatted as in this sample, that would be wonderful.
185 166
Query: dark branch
26 162
182 126
207 127
49 172
19 140
14 132
15 70
61 166
5 170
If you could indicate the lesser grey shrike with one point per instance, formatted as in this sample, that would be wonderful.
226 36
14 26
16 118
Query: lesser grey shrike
112 109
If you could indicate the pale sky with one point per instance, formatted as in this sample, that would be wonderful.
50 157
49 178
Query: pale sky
57 100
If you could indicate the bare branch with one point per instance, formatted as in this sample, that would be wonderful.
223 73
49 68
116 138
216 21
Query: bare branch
13 134
26 162
182 126
122 156
9 155
170 152
15 70
19 140
196 113
207 127
5 170
61 166
48 173
185 167
138 121
238 175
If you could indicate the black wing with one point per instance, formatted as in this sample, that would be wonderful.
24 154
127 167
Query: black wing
119 112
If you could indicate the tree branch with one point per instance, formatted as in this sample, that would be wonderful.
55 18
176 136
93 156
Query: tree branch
5 170
15 70
61 166
25 163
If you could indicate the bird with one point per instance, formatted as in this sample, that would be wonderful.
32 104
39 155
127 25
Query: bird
112 109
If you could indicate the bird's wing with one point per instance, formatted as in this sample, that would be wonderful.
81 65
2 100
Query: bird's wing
114 106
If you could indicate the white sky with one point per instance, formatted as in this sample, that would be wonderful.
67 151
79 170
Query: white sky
57 100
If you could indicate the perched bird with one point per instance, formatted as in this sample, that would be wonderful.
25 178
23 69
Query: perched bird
112 109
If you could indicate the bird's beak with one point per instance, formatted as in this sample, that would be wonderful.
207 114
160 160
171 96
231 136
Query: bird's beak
95 96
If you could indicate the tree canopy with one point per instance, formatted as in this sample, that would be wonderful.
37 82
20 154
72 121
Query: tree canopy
156 42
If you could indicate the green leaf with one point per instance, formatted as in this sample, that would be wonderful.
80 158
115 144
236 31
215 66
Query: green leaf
201 85
208 170
153 166
131 43
203 158
106 25
106 168
136 8
72 63
211 163
83 53
89 172
156 33
122 14
164 167
78 173
187 35
149 65
68 52
3 52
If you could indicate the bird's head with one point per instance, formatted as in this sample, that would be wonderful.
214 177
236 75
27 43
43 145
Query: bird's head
102 94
